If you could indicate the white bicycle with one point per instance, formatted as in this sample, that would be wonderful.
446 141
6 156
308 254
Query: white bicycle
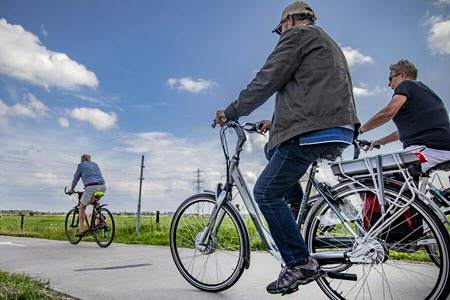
359 249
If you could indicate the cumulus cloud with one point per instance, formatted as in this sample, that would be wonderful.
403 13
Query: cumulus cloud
442 2
191 85
365 91
354 57
99 119
439 35
22 56
63 122
31 108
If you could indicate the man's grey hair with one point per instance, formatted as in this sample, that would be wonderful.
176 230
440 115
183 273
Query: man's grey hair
85 157
406 67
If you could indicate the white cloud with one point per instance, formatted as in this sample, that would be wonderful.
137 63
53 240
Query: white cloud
96 117
439 35
191 85
43 31
442 2
22 56
31 108
63 122
46 177
354 57
365 92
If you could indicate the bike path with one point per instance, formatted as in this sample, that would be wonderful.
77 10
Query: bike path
86 271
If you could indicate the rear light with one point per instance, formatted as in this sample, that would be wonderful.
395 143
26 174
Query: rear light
422 158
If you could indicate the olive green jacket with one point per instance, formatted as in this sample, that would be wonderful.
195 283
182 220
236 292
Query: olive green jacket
311 78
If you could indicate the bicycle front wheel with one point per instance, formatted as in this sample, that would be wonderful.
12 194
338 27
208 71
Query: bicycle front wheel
71 226
219 262
400 266
104 228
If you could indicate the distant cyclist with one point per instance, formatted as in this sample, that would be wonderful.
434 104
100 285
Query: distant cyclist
93 181
419 114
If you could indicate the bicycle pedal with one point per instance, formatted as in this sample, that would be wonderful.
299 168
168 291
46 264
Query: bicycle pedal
290 291
342 276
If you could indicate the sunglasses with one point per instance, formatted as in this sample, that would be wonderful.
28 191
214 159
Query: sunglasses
278 29
392 77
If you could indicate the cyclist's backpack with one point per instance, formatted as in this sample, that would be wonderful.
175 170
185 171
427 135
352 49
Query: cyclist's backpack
407 227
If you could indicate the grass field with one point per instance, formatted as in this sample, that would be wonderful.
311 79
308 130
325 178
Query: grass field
52 227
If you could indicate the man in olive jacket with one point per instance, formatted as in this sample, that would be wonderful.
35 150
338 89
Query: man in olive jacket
314 113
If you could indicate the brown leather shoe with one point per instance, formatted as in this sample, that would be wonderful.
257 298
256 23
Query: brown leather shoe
80 234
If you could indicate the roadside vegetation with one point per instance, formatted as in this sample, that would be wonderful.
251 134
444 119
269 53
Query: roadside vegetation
18 287
151 232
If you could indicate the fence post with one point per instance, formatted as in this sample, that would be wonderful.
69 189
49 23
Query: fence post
21 221
157 217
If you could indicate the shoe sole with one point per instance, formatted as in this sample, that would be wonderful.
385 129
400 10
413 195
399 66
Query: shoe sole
294 287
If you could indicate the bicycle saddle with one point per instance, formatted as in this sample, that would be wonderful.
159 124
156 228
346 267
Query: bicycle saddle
332 154
98 195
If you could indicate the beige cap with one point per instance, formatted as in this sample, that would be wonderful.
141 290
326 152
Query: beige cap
298 7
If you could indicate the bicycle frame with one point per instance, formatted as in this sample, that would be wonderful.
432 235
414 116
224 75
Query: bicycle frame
95 207
234 176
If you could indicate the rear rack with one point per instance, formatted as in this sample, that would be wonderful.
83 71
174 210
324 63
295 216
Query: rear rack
367 165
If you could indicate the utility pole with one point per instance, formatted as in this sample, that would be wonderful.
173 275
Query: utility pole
138 215
198 181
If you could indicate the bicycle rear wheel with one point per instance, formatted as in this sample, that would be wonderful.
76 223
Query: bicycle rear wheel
104 228
71 226
217 265
401 268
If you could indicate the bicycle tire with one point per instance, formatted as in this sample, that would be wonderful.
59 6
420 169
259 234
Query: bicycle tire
399 278
71 226
218 265
104 230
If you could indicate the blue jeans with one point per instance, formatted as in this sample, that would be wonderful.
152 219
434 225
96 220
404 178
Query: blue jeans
295 195
277 185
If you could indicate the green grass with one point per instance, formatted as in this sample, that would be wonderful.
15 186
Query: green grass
150 232
52 227
17 287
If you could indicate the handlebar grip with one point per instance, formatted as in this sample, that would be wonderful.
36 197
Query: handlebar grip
222 119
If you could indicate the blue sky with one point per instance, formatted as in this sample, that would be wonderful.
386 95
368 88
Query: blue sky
121 79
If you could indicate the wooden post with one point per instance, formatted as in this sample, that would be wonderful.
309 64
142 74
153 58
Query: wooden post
157 217
21 221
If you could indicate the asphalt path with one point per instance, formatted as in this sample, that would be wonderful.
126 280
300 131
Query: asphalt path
121 271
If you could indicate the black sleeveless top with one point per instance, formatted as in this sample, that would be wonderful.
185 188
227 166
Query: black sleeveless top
423 120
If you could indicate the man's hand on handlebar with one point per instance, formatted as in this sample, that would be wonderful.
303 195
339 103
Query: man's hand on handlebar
264 126
220 119
69 192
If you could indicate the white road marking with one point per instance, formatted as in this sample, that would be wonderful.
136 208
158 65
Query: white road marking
11 244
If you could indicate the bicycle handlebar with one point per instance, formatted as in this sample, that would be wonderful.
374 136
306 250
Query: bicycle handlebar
247 126
74 192
360 144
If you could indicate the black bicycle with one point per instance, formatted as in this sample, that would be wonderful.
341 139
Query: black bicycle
101 225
